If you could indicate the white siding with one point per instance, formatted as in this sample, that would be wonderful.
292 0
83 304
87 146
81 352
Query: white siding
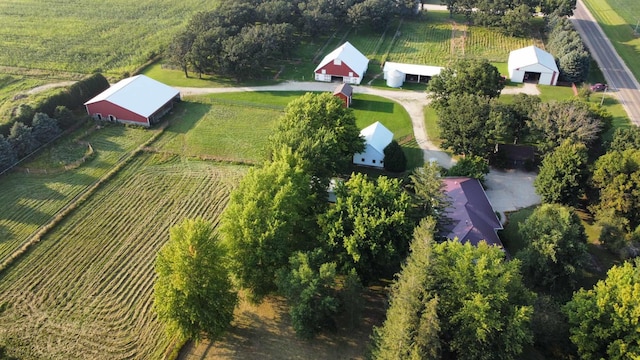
370 157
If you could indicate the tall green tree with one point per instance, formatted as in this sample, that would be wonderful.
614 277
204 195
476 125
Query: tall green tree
322 132
556 250
394 158
269 218
7 154
471 166
412 328
456 301
22 139
563 174
474 77
309 287
369 228
604 321
484 308
464 125
427 187
193 294
45 128
616 177
626 138
555 122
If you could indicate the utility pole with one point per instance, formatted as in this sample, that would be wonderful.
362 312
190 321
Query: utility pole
604 92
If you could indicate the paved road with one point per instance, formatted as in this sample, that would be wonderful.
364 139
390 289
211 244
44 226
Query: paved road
619 78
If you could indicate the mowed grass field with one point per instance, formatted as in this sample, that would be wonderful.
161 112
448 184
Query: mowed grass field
85 35
236 126
85 292
31 199
618 19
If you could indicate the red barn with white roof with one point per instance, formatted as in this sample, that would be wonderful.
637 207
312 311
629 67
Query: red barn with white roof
345 62
137 100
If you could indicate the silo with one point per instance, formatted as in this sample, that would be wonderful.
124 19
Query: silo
395 78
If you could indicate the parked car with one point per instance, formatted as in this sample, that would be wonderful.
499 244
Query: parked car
598 87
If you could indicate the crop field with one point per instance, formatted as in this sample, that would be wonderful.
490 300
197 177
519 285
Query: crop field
33 198
84 35
86 290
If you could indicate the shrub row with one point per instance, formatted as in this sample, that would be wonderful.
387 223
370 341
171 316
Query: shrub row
567 47
71 97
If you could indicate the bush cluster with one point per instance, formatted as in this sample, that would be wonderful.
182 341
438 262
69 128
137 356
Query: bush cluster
71 97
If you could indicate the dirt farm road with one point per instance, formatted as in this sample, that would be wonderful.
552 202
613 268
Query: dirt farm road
507 190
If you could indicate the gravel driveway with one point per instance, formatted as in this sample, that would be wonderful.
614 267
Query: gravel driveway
507 190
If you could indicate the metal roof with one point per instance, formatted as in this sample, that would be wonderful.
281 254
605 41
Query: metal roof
412 69
472 216
377 136
349 55
531 55
139 94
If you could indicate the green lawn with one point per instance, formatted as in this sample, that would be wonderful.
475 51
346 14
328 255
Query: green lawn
236 126
618 19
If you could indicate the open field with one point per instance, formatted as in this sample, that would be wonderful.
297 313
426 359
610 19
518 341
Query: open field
618 19
265 332
34 197
86 36
236 126
86 290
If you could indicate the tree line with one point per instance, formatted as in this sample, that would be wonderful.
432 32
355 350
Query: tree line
513 17
239 38
32 125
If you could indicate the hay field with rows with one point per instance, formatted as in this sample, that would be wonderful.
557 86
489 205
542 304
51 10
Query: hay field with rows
85 35
85 292
41 188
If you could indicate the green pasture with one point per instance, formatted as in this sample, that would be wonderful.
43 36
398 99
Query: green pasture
235 126
618 19
93 274
114 36
41 188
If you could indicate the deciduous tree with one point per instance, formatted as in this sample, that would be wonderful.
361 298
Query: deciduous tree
368 228
484 309
464 125
475 77
309 287
556 250
554 122
604 321
563 174
269 217
322 132
616 176
193 293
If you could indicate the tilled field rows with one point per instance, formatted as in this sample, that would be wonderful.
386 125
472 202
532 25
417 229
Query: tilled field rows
86 290
30 200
